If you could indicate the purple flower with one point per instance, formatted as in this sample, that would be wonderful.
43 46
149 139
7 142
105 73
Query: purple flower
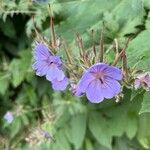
60 85
99 82
42 59
9 117
142 80
55 69
50 66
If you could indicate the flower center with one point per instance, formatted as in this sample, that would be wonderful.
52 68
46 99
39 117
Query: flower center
99 76
48 62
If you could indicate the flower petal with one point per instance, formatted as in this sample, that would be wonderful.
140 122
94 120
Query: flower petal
113 72
110 88
40 67
97 67
94 93
9 117
137 83
54 73
60 85
55 60
41 52
147 79
85 80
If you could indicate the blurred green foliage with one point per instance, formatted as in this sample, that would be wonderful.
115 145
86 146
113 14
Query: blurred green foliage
73 122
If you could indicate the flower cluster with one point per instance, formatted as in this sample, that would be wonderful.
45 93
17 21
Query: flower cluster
50 66
98 82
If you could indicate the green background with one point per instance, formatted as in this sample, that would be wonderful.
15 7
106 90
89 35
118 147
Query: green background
74 123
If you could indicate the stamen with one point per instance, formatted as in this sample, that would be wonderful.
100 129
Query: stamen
101 80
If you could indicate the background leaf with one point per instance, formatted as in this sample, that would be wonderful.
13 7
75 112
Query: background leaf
100 129
77 130
146 103
73 122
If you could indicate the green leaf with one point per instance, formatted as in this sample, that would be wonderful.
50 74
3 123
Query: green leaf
123 19
121 144
8 28
16 126
61 141
31 95
63 116
17 75
25 119
131 125
146 3
122 117
144 132
4 83
100 129
77 10
19 67
139 51
146 103
77 130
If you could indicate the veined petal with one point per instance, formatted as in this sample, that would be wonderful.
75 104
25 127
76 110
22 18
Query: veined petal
60 85
94 92
110 88
97 67
41 52
54 73
40 67
85 80
113 72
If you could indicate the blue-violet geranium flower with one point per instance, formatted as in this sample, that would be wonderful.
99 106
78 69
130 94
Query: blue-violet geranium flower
98 82
50 66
